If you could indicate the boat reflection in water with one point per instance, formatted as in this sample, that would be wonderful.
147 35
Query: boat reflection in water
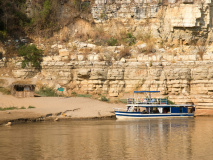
159 138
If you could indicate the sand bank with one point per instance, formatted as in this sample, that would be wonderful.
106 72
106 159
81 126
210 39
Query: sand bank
61 107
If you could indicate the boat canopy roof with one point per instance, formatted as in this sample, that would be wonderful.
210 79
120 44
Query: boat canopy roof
146 91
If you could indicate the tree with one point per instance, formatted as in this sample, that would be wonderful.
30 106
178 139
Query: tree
31 55
13 18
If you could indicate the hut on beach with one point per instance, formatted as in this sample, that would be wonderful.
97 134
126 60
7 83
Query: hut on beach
22 89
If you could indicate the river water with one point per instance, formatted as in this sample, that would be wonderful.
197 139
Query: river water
153 139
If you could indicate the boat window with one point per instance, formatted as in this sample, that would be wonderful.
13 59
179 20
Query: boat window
151 109
166 110
155 110
181 109
192 110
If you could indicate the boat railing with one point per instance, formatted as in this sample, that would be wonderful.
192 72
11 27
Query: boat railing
119 109
147 101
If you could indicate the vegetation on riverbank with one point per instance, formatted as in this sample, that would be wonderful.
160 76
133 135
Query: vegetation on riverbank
50 92
99 96
13 108
103 98
5 91
47 92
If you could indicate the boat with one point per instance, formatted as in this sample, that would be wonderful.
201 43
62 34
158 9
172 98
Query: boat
147 107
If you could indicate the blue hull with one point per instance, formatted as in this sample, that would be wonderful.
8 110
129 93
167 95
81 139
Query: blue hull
120 115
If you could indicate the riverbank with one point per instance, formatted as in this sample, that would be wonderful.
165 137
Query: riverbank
54 108
58 108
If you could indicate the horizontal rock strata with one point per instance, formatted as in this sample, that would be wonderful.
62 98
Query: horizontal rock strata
183 82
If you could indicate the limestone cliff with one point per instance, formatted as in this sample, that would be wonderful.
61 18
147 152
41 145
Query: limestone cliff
176 65
183 82
176 21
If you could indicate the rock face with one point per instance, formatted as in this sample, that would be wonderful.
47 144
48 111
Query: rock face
183 82
170 20
175 21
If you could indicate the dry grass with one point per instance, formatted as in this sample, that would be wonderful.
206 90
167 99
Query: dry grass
101 57
85 52
97 35
125 38
106 57
2 81
147 38
124 53
201 47
120 36
5 90
74 48
201 53
101 38
150 47
81 36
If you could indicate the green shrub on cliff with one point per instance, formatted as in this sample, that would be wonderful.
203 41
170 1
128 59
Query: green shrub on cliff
46 9
112 42
44 20
31 55
130 39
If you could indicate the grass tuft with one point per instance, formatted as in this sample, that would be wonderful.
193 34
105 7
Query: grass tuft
123 100
5 90
84 95
103 98
47 92
31 107
112 42
124 53
7 108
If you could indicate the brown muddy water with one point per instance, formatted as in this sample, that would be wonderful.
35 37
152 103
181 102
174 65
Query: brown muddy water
154 139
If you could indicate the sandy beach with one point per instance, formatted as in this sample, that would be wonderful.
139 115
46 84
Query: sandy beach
61 107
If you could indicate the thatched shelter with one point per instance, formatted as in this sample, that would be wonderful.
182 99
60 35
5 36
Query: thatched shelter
22 89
